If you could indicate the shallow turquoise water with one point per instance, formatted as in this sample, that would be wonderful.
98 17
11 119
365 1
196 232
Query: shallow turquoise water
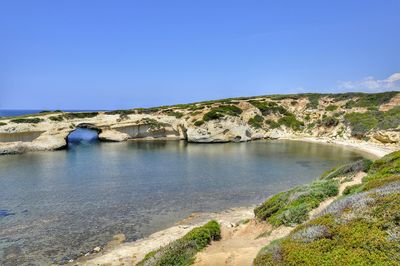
58 204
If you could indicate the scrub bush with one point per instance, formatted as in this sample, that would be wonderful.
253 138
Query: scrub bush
347 169
292 206
291 122
256 121
221 111
183 250
198 123
27 120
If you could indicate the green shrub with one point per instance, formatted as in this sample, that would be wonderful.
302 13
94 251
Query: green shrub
361 123
57 118
292 207
313 100
256 121
329 121
152 123
375 99
3 124
360 229
176 114
350 104
198 123
291 122
27 120
331 108
183 250
272 124
348 169
221 111
121 112
268 108
352 189
80 115
388 165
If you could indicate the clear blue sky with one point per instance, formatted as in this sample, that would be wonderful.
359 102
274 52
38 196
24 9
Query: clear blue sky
81 54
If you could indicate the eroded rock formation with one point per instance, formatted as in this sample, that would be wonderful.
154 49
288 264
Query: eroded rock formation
371 117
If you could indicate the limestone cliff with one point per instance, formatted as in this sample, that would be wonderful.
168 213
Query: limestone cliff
369 117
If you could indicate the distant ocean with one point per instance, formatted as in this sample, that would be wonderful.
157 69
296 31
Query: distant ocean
26 112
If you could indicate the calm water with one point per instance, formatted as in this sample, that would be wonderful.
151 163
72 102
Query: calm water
54 205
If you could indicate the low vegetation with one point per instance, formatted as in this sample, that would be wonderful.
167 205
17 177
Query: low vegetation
361 228
198 123
369 100
362 123
291 207
362 165
291 121
121 112
256 121
267 108
272 124
221 111
80 115
152 123
27 120
3 124
331 108
174 113
183 251
329 121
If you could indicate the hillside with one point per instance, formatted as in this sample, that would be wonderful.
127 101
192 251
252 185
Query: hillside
349 116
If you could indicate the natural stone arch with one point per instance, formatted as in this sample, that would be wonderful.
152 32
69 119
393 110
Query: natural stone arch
91 128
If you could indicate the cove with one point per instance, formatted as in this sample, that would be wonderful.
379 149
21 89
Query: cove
69 201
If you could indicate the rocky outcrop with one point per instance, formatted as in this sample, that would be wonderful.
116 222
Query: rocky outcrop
339 117
387 136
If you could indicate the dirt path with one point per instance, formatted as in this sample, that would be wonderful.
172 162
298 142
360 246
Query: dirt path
240 244
132 252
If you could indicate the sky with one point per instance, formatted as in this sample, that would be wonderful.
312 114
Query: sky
96 54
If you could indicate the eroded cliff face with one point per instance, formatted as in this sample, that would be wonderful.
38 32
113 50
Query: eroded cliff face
370 117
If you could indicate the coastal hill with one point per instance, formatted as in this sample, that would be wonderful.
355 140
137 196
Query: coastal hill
348 116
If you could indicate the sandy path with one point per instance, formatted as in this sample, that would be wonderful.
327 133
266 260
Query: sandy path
239 245
132 252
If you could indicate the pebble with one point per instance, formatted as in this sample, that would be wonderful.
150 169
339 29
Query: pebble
97 249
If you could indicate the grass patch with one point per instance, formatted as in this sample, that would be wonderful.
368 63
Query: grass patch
362 123
292 206
347 169
272 124
27 120
313 100
291 121
221 111
329 121
256 121
331 108
80 115
3 124
120 112
361 228
174 113
183 250
152 123
267 108
198 123
56 118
